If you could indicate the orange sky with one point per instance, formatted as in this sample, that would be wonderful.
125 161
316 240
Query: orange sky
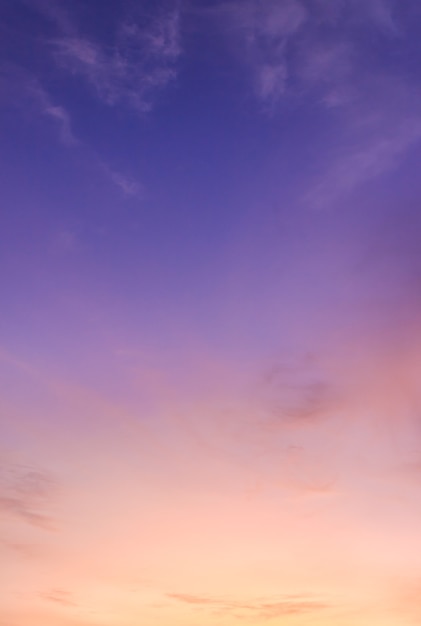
206 507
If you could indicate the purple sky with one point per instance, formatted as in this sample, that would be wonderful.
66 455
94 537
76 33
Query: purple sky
211 300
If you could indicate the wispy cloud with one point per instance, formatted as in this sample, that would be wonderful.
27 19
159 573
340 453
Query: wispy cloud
58 114
257 609
381 13
23 90
264 30
137 60
140 61
27 494
59 596
130 187
325 54
22 550
364 161
298 391
294 46
54 11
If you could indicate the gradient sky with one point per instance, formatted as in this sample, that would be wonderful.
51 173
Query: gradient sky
210 330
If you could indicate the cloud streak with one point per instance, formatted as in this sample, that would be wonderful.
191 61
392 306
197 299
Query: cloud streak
27 495
127 185
258 609
295 46
325 53
140 62
23 90
263 31
59 596
366 161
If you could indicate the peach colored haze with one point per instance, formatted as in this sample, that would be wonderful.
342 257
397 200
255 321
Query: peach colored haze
210 329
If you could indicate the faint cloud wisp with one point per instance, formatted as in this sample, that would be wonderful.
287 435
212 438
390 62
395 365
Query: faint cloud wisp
27 494
258 609
140 62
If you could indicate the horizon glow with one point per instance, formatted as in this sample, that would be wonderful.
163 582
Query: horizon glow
210 350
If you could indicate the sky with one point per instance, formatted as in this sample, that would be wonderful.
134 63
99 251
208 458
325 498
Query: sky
210 329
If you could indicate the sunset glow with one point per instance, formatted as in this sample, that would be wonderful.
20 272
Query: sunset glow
210 349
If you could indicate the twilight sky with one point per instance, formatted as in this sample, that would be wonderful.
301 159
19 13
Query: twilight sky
210 331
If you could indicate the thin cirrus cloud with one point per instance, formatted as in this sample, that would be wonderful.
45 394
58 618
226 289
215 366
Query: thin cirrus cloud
324 53
132 66
268 29
59 596
258 609
130 187
23 90
27 495
369 159
140 62
130 71
293 47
